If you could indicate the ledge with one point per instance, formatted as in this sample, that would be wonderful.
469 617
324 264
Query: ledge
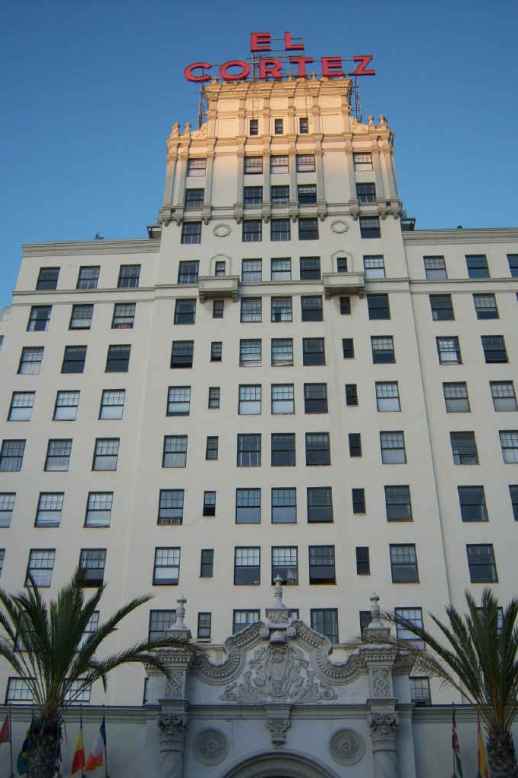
216 287
132 246
343 283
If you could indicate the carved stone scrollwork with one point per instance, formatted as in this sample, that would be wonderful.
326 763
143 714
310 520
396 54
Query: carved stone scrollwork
381 684
172 743
383 727
347 747
172 728
278 729
210 746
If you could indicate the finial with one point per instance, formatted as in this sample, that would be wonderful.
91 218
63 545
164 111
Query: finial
180 611
278 590
375 607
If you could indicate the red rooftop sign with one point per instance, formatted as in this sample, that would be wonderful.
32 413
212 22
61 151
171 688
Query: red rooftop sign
277 67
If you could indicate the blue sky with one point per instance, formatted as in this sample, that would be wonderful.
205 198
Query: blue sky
89 90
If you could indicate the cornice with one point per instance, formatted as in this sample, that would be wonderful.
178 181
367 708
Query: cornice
67 248
476 235
136 713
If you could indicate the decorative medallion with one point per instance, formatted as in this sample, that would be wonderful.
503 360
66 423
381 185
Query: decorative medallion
347 747
210 746
339 227
221 230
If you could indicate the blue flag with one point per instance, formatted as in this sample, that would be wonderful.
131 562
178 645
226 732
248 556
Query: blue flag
22 763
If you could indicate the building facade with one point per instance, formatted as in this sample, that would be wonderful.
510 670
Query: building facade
284 380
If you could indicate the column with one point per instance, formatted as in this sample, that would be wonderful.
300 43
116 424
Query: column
267 199
319 170
238 205
380 183
181 174
209 177
388 171
383 728
173 725
350 178
292 162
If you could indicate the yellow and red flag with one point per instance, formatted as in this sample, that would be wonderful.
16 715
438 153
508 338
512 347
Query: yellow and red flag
483 770
78 761
96 757
5 732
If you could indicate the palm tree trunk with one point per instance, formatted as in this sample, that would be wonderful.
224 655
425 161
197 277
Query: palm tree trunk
501 755
43 755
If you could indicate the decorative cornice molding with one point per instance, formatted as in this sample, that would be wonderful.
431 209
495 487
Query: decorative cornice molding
475 235
132 246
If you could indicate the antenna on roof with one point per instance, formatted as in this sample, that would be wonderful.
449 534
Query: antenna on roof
98 236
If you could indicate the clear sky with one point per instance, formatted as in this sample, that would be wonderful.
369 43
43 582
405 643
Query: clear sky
89 89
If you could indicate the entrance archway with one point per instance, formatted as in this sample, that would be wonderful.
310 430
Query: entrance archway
280 766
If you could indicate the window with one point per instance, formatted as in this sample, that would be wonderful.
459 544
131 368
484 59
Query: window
254 127
178 400
374 266
251 309
216 351
283 449
39 318
214 397
362 160
280 269
414 616
397 503
248 506
279 164
218 309
464 448
99 509
249 450
251 271
351 394
191 233
477 266
47 278
485 306
250 353
278 126
204 625
308 229
379 307
383 349
284 506
442 307
220 268
365 620
366 193
117 359
513 264
207 563
106 454
209 503
345 306
435 268
185 311
247 566
393 448
123 316
355 444
7 501
320 504
40 567
182 353
11 456
194 199
50 509
81 317
280 195
160 622
387 396
456 397
282 352
448 350
30 360
472 503
363 565
170 507
66 407
504 398
211 447
21 406
112 404
253 166
74 359
420 690
403 563
307 194
285 565
280 229
370 227
311 308
303 125
325 621
58 455
129 277
322 565
281 309
243 619
317 448
509 444
305 163
18 691
196 167
358 498
341 265
348 348
494 348
513 491
88 277
283 399
249 399
175 451
166 571
315 398
310 268
481 563
188 272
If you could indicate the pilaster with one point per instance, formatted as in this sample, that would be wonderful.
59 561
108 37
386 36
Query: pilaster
179 188
238 205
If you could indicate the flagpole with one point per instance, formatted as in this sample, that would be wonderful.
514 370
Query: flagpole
82 738
105 745
11 741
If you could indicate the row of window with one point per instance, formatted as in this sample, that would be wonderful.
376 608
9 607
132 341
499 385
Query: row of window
279 163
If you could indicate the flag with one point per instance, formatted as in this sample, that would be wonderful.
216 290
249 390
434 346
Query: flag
483 771
457 764
22 765
5 732
78 760
96 757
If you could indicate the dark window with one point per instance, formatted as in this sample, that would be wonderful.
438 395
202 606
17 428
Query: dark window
325 621
310 268
251 309
99 509
307 194
420 690
81 318
358 498
106 454
311 307
481 562
254 127
345 306
280 195
370 227
494 348
209 503
218 308
362 160
249 450
513 264
313 351
472 503
220 268
253 196
435 268
216 351
317 448
129 276
166 570
50 509
281 352
283 449
320 504
464 448
251 271
39 318
477 266
191 232
112 404
355 444
282 309
398 503
279 163
185 311
363 565
182 353
248 506
303 125
448 350
366 193
278 126
30 360
204 625
160 622
88 277
351 394
40 567
74 359
393 448
243 619
175 451
403 563
485 306
253 166
117 360
178 400
456 397
284 506
383 349
504 397
348 348
365 619
322 565
509 445
315 398
341 265
21 406
513 491
285 565
123 316
194 199
196 167
211 448
92 562
170 506
247 566
442 307
58 455
305 163
48 278
308 229
280 229
379 307
188 272
374 266
207 563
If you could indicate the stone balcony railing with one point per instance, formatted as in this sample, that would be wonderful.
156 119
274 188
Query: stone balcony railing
343 283
210 287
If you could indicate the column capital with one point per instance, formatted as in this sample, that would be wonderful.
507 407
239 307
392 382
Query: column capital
383 728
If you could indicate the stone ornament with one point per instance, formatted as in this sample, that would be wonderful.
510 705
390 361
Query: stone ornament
381 685
383 726
172 727
210 746
278 729
347 747
339 227
221 230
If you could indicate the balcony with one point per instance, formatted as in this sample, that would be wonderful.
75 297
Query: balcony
217 287
343 283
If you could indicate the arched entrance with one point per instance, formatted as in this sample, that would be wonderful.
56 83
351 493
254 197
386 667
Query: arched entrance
280 766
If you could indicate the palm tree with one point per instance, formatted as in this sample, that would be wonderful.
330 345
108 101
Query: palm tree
46 646
479 658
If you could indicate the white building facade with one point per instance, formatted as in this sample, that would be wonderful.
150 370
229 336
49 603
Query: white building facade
284 380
